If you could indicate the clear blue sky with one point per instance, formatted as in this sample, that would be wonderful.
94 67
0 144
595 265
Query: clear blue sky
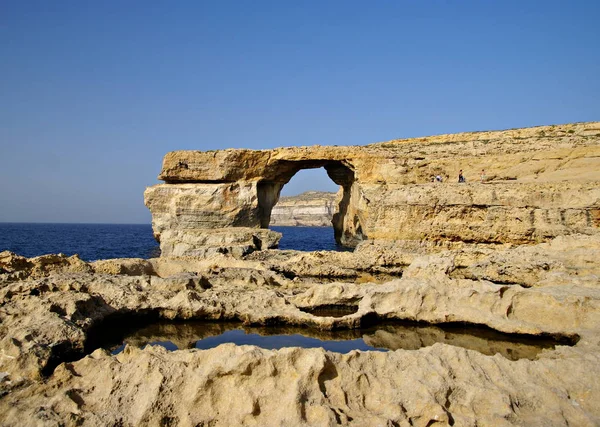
94 93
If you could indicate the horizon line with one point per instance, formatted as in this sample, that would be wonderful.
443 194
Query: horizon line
76 223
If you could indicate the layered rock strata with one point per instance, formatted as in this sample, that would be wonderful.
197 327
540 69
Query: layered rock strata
309 209
538 183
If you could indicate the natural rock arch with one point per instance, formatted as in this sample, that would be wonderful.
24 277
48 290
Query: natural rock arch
281 172
540 183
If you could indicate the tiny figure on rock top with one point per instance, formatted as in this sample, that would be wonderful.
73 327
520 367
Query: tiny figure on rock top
461 178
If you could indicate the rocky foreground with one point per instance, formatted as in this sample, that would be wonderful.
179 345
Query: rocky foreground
51 307
514 249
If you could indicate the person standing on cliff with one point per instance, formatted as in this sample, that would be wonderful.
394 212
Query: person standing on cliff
482 175
461 178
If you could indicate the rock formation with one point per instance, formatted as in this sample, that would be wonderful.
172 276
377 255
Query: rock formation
50 315
310 209
517 253
539 183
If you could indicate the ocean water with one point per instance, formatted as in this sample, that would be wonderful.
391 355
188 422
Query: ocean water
90 241
103 241
307 238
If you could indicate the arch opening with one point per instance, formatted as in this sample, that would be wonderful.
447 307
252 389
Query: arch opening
340 172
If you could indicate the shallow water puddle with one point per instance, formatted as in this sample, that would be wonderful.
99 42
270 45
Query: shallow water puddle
384 337
271 342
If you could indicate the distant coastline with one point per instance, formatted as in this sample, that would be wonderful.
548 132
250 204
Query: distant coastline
309 209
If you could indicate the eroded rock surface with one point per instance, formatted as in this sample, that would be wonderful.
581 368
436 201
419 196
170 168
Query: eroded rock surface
549 289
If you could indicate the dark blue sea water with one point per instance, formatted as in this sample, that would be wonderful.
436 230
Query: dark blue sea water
102 241
307 238
90 241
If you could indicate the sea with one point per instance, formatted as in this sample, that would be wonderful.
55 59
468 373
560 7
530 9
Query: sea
102 241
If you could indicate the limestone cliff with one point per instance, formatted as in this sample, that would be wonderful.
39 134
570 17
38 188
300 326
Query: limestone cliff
515 250
538 183
312 208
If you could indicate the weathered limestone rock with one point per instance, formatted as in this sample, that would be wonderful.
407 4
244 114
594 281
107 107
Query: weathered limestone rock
193 219
563 152
490 213
516 252
310 209
248 386
14 267
45 323
538 183
237 241
202 206
127 266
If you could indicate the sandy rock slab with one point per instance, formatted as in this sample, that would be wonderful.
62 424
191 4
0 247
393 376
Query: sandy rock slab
229 385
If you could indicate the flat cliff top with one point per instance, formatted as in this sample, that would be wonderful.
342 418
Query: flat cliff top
544 153
547 132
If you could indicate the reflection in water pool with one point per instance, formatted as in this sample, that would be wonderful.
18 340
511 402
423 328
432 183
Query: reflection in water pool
271 342
384 337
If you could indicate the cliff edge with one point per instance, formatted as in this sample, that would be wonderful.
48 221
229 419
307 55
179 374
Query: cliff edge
522 186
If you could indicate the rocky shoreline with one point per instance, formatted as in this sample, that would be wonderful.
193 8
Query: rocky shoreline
50 305
518 256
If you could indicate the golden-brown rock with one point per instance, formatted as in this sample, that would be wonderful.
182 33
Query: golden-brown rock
515 250
522 186
47 320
